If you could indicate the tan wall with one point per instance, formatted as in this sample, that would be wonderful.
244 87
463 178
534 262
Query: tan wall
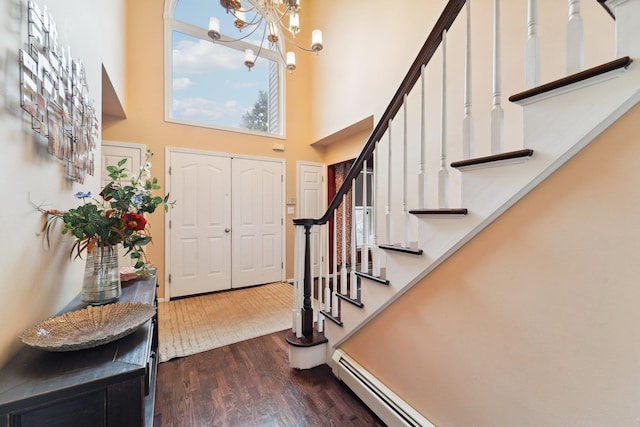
38 281
534 322
145 119
346 144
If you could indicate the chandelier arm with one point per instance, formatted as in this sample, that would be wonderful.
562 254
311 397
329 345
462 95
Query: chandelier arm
230 40
289 41
275 11
251 9
253 21
281 17
264 33
280 52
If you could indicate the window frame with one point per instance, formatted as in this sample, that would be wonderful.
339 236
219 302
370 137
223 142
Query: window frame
170 25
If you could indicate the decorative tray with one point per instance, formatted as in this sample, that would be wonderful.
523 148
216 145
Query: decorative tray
89 327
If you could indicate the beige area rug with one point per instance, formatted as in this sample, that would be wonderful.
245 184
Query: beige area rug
196 324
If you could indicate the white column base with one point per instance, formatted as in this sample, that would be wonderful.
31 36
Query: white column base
307 357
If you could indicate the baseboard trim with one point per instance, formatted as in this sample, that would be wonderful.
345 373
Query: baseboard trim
387 405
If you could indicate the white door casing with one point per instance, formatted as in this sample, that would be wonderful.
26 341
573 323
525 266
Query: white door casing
312 202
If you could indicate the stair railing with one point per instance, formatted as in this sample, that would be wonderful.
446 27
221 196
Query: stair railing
304 317
330 282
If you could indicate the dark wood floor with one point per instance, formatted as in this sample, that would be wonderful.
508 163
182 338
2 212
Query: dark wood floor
250 384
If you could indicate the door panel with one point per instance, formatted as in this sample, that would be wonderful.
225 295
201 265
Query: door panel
200 243
257 222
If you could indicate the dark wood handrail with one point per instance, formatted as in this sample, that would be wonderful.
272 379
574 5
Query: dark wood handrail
447 18
607 8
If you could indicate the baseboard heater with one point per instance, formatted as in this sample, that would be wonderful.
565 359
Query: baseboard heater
387 405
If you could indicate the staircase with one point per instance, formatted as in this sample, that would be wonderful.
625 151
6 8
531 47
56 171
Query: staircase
420 215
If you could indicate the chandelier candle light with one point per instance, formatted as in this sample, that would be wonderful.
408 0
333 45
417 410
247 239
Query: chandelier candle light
269 15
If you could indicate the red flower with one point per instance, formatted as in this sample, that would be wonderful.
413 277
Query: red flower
134 221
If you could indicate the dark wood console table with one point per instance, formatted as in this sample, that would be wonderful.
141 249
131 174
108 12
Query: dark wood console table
110 385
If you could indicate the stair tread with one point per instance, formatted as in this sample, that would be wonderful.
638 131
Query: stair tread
404 249
574 78
369 275
355 302
328 315
440 212
317 338
494 158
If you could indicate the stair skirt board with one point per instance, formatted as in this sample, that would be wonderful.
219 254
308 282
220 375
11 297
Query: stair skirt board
387 405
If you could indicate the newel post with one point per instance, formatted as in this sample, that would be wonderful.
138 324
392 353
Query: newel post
307 309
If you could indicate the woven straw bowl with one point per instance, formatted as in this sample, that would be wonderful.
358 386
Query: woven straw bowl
89 327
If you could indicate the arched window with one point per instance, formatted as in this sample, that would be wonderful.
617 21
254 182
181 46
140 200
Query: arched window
207 84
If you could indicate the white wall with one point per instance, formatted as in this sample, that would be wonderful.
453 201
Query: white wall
38 281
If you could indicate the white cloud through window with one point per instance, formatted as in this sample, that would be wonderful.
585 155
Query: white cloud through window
181 83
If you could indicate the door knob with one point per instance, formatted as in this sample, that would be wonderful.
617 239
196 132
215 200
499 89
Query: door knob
226 230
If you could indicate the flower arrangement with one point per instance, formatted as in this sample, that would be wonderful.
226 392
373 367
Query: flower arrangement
116 217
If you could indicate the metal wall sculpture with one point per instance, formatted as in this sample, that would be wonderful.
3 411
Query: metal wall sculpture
53 90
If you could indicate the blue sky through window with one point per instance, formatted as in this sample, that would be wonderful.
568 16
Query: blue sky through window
210 82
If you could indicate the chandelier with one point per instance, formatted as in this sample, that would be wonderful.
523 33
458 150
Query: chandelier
270 16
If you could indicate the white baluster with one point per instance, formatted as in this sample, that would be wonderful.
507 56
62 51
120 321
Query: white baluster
532 48
497 113
374 212
422 175
467 121
389 213
365 224
575 39
327 289
405 175
343 269
352 270
443 173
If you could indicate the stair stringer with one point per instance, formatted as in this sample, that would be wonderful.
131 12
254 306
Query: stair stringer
556 128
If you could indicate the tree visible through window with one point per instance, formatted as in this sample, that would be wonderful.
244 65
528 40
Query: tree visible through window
258 117
208 84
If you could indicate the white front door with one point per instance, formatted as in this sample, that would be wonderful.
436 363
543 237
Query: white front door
226 228
311 204
257 222
200 228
